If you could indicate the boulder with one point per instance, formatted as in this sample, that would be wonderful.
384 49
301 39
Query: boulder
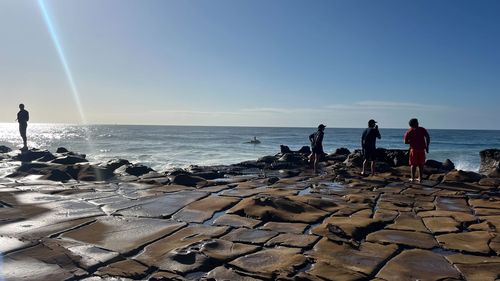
57 175
134 169
293 158
433 164
114 164
62 150
285 149
448 165
46 158
30 155
178 171
303 150
94 173
69 160
4 149
462 176
342 151
267 159
189 180
445 166
355 159
32 168
394 157
490 162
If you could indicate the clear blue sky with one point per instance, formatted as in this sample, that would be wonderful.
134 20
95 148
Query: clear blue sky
254 63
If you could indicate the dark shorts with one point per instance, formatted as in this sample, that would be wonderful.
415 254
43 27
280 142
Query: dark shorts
318 150
22 129
370 154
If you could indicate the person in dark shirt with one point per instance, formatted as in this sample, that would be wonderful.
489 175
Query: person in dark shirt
418 138
23 117
316 140
368 144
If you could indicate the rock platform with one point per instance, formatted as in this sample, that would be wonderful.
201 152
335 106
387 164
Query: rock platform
257 220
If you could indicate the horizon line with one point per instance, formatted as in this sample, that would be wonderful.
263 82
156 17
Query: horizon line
236 126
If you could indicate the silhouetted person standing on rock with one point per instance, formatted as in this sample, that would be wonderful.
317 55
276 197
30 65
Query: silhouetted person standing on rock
316 140
368 144
23 117
418 138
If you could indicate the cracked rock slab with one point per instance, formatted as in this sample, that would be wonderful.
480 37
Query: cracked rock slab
364 259
418 264
163 206
277 208
157 253
284 227
252 236
224 250
441 224
127 269
122 235
474 242
293 240
223 273
270 263
202 210
236 221
408 238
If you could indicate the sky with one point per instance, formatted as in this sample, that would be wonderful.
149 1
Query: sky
252 62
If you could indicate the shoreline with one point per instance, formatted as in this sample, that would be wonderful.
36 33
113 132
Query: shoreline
236 222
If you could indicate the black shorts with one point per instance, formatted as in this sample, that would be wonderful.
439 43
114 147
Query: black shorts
370 154
22 129
318 150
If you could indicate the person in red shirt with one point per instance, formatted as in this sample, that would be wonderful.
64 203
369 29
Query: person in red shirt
418 138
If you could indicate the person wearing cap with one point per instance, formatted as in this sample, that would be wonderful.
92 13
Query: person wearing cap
418 138
316 140
368 144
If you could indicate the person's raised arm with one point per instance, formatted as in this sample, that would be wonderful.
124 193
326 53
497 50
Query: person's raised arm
406 137
378 132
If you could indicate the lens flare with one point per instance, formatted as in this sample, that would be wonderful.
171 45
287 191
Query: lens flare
62 57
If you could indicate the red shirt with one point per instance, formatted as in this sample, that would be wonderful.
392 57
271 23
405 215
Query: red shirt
417 138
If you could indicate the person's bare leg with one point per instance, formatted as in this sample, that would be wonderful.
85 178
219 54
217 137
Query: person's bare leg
311 160
373 168
364 168
316 156
420 173
413 171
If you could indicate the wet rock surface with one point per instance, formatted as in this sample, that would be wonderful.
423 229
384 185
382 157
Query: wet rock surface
71 220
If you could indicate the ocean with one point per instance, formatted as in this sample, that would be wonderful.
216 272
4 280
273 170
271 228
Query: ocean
165 147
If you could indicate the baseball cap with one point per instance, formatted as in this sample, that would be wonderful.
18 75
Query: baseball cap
321 126
372 122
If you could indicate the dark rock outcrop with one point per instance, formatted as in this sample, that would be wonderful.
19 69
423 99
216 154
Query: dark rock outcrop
303 150
62 150
31 155
93 173
355 159
462 176
57 175
69 160
267 159
5 149
342 151
134 169
114 164
189 180
490 162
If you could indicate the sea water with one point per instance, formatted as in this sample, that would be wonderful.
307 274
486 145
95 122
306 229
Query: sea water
164 147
